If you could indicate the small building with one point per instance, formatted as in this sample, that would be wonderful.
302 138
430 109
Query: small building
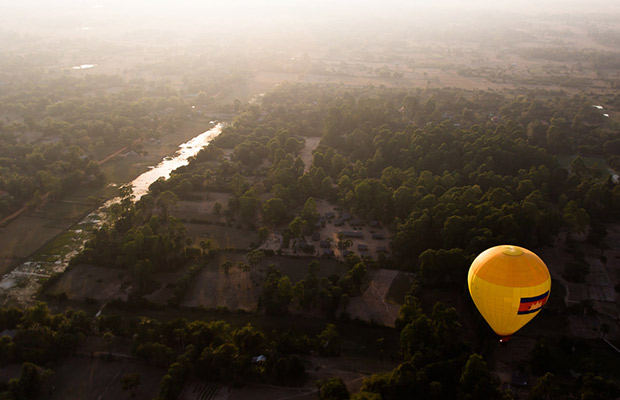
362 247
330 215
338 222
382 249
259 359
316 236
352 234
355 222
378 236
345 253
324 244
328 253
373 223
345 216
364 254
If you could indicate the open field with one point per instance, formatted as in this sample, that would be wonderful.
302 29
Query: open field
24 235
203 208
235 290
21 238
90 281
240 290
598 287
99 379
224 237
203 224
83 282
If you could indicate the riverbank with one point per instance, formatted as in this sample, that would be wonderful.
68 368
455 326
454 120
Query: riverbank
27 234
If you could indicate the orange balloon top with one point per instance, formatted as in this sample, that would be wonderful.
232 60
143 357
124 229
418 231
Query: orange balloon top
511 266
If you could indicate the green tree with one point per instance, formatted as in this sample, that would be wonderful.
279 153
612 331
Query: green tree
274 211
166 201
248 204
255 257
595 387
576 218
546 388
476 383
226 265
329 341
130 382
205 245
108 338
309 213
333 389
263 234
297 227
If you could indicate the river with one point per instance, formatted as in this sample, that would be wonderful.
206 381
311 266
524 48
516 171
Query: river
20 285
141 184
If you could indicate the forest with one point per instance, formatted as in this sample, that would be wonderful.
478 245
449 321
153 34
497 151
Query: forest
449 172
358 159
56 129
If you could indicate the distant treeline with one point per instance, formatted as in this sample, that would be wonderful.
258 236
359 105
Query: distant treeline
598 59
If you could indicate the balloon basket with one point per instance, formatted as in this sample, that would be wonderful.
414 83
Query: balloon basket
504 340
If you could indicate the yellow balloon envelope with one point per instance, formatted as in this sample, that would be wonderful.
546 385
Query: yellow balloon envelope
509 285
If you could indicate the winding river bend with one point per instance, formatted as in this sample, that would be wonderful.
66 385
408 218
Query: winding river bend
20 285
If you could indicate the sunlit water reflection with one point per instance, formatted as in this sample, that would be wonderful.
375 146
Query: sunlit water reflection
141 184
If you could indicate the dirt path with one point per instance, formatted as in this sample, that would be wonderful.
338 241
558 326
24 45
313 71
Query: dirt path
388 310
22 210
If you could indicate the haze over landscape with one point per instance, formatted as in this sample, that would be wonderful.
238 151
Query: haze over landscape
318 200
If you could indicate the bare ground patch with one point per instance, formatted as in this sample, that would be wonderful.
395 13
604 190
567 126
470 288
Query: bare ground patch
223 237
235 290
306 153
99 283
167 280
372 306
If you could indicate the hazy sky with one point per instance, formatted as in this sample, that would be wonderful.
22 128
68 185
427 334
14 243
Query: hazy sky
110 18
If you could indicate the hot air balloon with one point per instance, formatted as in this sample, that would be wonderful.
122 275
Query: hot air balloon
509 285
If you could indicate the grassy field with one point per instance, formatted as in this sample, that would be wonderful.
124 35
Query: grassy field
22 237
